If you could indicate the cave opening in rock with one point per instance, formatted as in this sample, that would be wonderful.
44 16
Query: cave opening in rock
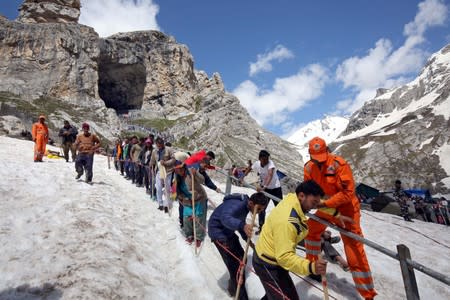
121 86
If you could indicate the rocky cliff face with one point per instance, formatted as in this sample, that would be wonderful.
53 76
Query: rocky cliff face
53 11
404 133
50 64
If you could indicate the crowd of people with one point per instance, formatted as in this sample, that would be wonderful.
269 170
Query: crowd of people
81 146
436 212
168 175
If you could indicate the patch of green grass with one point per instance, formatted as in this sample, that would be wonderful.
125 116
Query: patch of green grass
139 134
182 143
161 124
158 124
221 160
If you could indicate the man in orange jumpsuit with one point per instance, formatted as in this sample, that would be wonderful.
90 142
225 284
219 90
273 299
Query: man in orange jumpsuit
39 133
334 176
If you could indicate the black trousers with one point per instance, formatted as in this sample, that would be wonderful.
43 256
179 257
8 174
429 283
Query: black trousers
276 281
277 192
233 245
84 162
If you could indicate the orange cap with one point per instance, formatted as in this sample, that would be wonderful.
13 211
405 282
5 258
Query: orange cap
318 149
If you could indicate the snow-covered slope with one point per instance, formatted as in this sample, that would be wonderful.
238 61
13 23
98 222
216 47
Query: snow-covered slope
66 239
328 128
404 132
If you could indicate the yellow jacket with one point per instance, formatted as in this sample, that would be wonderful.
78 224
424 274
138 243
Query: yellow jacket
284 228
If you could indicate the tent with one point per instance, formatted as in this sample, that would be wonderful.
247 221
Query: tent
366 193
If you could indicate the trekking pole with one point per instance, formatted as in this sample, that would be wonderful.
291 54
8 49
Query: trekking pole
244 259
324 284
153 179
193 211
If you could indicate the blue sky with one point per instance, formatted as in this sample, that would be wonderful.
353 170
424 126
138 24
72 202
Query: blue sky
289 62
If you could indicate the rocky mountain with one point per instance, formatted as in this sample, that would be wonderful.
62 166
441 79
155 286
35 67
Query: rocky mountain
328 128
51 64
404 132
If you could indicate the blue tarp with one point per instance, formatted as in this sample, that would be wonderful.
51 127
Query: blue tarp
280 174
419 192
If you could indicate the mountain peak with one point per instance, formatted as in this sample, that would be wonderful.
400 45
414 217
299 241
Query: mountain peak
328 128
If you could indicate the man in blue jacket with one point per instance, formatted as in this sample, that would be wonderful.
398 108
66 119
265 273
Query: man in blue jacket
228 217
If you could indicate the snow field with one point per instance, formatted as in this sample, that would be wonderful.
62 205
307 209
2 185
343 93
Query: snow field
67 239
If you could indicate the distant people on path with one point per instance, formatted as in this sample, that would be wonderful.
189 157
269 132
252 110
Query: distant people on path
68 134
126 158
444 208
118 163
275 252
192 195
146 155
227 218
402 199
420 207
162 162
134 155
268 181
87 144
39 133
335 177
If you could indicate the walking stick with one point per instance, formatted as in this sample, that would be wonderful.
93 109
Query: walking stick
244 259
154 185
193 211
324 285
109 159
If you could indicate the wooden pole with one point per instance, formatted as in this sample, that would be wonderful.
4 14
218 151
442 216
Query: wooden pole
409 278
326 295
244 259
193 210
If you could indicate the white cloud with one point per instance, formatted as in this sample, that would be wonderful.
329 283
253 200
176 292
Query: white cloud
385 66
112 16
263 62
289 128
288 94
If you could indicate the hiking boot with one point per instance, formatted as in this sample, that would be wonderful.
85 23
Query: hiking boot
166 209
315 277
160 207
79 175
198 243
189 240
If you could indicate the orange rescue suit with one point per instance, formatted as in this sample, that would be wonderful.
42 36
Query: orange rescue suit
335 178
39 133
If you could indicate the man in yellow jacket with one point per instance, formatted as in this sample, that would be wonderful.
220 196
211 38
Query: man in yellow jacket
276 254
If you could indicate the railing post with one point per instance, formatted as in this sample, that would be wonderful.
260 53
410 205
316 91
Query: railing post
228 186
409 278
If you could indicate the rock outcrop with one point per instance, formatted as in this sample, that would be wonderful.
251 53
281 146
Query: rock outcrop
50 11
404 132
50 64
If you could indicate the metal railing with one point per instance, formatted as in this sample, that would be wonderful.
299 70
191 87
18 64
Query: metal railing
407 265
